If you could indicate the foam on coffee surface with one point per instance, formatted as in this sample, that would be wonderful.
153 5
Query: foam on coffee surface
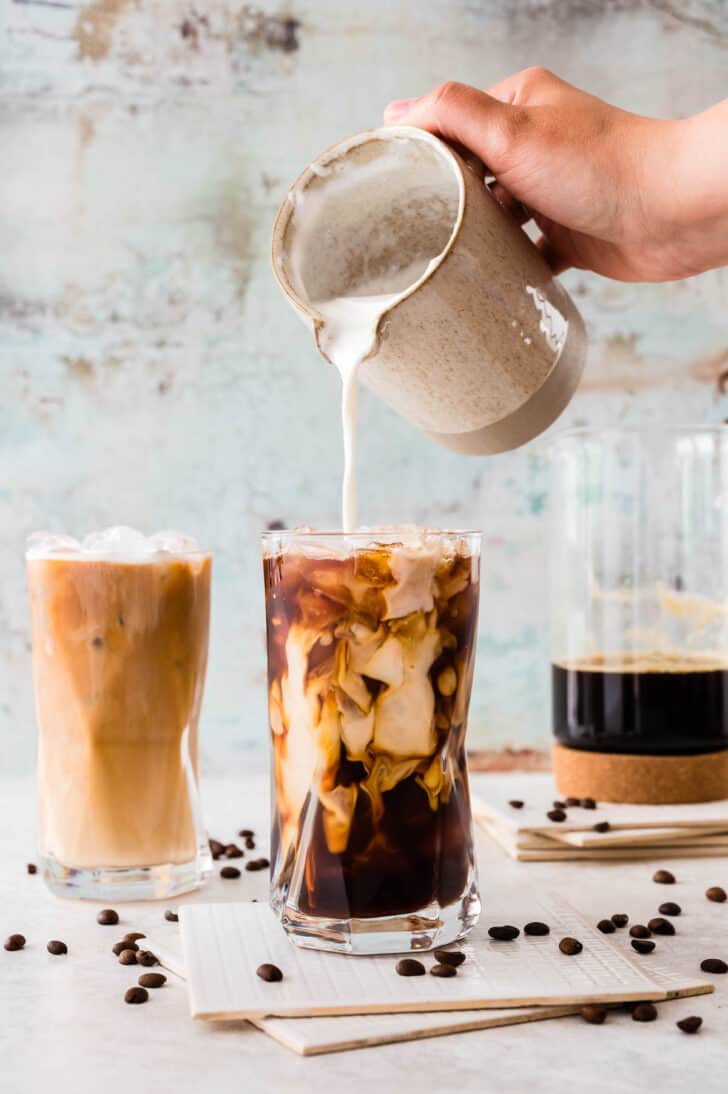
117 543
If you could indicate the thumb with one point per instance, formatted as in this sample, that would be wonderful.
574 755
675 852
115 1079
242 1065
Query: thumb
465 116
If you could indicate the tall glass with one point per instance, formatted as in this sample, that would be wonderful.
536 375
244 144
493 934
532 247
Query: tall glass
371 646
639 580
119 658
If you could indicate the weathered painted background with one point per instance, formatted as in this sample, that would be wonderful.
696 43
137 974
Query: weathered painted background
151 374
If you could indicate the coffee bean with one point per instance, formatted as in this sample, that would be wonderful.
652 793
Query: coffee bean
133 936
556 815
573 801
136 995
257 864
663 877
15 942
642 945
119 947
147 959
171 916
250 843
669 908
230 871
602 826
559 805
57 948
409 967
443 971
246 833
606 926
32 868
593 1014
273 974
516 804
588 803
644 1012
450 957
504 934
619 920
639 931
717 894
714 964
152 980
107 917
570 946
233 851
128 956
217 849
658 925
536 928
691 1024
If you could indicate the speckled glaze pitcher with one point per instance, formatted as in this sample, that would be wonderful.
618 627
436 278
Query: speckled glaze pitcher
483 350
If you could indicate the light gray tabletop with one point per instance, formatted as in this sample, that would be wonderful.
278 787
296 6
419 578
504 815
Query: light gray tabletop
65 1026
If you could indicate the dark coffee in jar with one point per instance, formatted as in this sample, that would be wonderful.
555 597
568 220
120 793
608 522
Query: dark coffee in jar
644 704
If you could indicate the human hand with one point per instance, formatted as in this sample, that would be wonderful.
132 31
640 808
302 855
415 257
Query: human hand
633 198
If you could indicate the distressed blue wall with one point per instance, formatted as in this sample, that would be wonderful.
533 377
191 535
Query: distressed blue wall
151 373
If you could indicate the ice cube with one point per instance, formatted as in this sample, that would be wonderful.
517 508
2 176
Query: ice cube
118 540
174 543
42 544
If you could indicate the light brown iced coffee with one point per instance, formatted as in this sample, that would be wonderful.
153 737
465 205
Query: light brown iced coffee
119 656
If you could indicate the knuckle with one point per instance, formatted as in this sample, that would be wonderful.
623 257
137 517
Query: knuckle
446 94
534 77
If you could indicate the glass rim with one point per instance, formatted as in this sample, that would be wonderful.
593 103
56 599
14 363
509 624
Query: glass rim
370 535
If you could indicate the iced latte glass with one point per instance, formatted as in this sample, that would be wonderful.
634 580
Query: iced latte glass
120 631
371 645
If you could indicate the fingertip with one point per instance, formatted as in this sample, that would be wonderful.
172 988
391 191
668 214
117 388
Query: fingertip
397 110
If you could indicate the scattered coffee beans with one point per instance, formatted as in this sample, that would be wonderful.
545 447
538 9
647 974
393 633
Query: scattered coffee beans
639 931
273 974
669 908
217 849
250 843
691 1024
246 833
663 877
516 804
606 926
536 928
593 1014
57 948
658 925
32 868
642 945
15 942
717 894
559 805
443 971
147 959
128 956
570 946
171 916
588 803
119 947
233 851
602 826
573 801
136 995
257 864
714 964
450 957
644 1012
619 920
133 936
504 934
152 979
107 917
556 815
231 871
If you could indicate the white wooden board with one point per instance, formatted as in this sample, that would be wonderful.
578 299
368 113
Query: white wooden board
645 837
224 943
535 847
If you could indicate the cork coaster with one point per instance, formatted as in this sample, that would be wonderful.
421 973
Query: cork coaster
644 780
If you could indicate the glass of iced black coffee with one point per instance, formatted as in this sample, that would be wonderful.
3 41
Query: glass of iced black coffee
639 579
371 644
